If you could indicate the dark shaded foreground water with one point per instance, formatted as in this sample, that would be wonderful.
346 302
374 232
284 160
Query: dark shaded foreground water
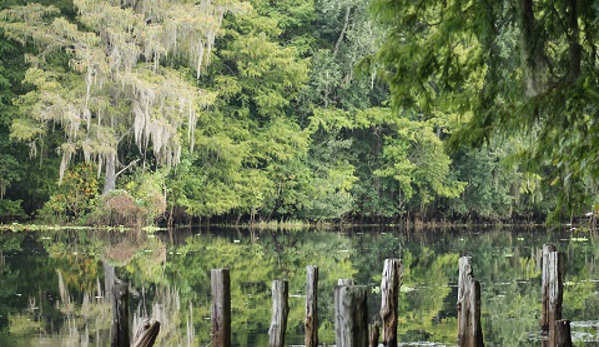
53 284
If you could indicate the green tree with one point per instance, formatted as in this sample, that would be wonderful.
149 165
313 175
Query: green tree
505 67
244 141
107 77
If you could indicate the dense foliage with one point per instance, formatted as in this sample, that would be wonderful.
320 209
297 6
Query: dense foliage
310 110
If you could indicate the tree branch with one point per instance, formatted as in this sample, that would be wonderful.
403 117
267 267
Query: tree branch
342 34
126 167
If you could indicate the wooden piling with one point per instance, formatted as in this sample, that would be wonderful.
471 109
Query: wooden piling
469 327
547 249
563 336
351 316
311 319
556 292
390 285
120 314
221 308
280 310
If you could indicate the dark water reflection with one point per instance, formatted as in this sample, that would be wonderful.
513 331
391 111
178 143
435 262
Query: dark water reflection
53 284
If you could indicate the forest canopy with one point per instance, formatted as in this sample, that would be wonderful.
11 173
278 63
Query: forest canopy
119 111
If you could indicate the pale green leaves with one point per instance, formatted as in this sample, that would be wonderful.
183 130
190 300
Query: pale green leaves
118 85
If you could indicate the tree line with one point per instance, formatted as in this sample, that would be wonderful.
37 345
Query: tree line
119 112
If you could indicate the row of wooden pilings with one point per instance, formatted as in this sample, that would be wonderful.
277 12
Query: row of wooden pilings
352 327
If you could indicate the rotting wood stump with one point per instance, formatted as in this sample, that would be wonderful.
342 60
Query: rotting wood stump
552 293
390 286
280 310
221 308
351 316
469 326
547 249
311 319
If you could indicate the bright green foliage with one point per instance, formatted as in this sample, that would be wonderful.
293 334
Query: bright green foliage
413 157
75 198
246 138
148 189
313 110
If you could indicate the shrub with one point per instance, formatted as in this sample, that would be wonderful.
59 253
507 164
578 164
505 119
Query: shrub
117 208
11 210
74 198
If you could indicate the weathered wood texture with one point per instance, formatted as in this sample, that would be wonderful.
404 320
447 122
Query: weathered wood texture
221 308
390 285
547 249
351 316
280 310
120 314
555 262
374 335
146 333
563 336
311 319
469 326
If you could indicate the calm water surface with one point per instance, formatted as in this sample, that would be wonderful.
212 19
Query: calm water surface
55 286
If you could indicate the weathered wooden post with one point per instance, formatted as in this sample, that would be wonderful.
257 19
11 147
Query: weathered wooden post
563 336
221 308
311 320
120 314
469 327
390 285
351 316
280 310
547 249
556 292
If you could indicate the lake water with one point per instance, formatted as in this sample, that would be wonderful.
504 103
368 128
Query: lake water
53 285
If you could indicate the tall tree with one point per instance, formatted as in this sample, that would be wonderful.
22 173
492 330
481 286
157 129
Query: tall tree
106 79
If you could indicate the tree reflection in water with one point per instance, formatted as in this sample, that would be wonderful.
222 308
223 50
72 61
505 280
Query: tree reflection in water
55 286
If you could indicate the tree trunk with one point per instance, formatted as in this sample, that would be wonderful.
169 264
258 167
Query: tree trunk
575 50
530 47
110 174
